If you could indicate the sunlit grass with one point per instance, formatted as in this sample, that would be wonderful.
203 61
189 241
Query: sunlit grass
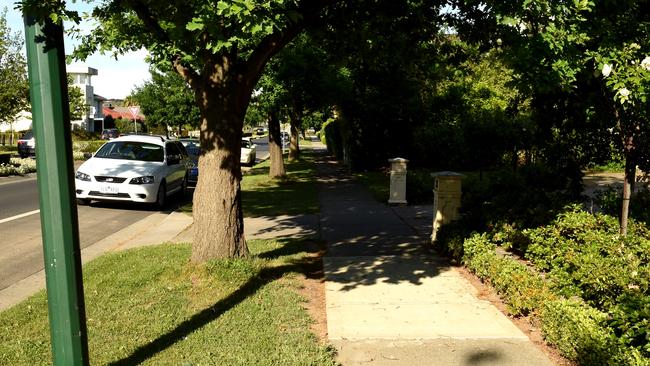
152 306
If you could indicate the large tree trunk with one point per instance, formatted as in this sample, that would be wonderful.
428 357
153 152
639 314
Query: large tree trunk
294 146
628 184
218 216
275 147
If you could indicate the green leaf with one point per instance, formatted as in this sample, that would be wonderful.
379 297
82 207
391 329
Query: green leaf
195 24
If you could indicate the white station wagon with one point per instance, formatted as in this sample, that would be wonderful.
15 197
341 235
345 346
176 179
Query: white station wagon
136 168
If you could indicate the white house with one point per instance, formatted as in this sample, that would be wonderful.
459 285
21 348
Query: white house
92 121
82 78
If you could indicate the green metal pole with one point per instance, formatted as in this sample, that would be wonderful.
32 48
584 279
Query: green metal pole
59 223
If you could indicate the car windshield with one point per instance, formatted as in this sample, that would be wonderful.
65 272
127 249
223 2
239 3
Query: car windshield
28 135
245 144
192 147
131 150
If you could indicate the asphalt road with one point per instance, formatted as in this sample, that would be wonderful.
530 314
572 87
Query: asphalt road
21 251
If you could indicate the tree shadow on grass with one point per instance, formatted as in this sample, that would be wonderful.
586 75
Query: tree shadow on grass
309 265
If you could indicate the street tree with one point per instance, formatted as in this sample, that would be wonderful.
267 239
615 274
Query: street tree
597 51
14 86
76 100
310 84
382 64
167 100
220 48
270 103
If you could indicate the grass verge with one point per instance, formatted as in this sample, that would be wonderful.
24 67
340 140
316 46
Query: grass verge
152 306
296 193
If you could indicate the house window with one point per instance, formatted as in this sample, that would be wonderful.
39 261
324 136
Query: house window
80 79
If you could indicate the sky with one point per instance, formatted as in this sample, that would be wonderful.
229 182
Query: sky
116 78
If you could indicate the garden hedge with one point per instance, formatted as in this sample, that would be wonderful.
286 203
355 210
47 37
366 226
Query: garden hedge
616 334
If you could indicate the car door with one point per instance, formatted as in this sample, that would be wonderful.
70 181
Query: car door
176 170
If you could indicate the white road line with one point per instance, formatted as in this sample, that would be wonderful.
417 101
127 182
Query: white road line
22 180
12 218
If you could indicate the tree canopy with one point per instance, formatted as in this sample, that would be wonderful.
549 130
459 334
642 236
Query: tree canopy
14 90
220 49
167 100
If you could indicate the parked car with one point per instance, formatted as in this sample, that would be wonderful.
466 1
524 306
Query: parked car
248 155
193 150
27 145
109 134
134 168
248 151
260 130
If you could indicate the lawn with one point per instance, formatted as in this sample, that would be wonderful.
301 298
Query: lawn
151 306
294 194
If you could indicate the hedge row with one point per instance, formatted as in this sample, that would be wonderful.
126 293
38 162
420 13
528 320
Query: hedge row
580 330
18 167
87 146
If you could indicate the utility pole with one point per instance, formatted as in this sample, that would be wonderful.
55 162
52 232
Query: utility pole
59 222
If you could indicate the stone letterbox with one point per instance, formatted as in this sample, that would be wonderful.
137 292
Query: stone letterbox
397 181
446 199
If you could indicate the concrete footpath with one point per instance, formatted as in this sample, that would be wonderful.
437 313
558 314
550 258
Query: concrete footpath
391 301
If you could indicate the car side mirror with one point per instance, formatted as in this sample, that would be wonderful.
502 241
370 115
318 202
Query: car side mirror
88 155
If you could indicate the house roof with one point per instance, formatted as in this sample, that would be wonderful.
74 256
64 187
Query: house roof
120 112
81 69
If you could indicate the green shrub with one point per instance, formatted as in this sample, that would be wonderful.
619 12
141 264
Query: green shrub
579 250
87 146
630 319
80 134
419 186
580 333
576 330
18 167
530 197
583 257
610 201
450 239
332 136
523 290
615 165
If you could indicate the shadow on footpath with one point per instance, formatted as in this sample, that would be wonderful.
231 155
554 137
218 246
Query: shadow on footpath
367 241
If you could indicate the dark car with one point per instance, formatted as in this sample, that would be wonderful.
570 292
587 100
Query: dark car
27 145
193 149
109 134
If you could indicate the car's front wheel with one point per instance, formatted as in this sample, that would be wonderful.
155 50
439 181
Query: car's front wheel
161 196
83 201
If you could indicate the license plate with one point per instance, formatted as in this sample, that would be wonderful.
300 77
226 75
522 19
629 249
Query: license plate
108 189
